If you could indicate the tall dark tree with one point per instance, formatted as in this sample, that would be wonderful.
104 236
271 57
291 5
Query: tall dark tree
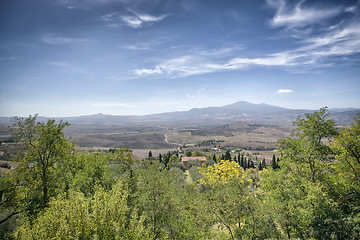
273 162
263 163
227 155
214 158
242 163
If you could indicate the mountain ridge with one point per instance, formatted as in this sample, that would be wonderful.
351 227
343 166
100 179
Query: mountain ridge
239 111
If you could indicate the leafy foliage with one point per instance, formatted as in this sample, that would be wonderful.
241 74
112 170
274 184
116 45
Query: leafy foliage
312 193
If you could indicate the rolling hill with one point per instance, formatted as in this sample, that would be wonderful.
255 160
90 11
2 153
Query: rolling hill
239 111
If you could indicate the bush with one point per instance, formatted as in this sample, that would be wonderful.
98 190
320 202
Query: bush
4 165
179 165
194 163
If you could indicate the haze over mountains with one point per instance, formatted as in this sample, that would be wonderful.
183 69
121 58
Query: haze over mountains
239 111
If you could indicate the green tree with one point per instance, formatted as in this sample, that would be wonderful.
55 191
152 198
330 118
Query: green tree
263 163
305 147
299 193
274 164
101 216
227 155
197 153
44 149
150 155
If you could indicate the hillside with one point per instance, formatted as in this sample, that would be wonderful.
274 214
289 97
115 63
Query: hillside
209 116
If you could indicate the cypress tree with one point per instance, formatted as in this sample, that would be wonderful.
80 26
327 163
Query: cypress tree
273 162
214 157
227 155
252 165
263 163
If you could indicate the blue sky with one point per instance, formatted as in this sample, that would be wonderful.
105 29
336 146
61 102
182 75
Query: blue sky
135 57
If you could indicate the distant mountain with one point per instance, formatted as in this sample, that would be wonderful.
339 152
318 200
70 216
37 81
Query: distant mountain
209 116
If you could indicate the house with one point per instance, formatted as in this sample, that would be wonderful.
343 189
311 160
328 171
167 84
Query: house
185 160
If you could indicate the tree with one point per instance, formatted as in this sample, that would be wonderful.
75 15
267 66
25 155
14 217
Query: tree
150 155
197 153
274 164
44 149
214 158
302 192
305 148
344 186
221 173
101 216
263 163
227 155
252 165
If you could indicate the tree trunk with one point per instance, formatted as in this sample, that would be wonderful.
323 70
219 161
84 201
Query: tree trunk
45 188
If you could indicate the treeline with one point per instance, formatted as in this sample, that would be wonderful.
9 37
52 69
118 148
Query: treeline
58 192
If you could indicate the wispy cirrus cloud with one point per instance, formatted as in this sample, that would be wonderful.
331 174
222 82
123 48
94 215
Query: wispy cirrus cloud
67 67
326 48
7 58
133 20
196 64
149 44
53 39
297 15
146 71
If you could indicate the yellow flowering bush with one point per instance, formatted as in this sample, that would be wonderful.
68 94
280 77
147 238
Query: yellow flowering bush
221 173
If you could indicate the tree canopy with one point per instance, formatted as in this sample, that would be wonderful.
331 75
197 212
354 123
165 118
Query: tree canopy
58 192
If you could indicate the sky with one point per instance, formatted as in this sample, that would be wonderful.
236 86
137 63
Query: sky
134 57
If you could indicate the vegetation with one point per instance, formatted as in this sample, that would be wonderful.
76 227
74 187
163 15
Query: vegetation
59 192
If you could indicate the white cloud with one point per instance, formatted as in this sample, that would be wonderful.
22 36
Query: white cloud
8 58
145 71
202 62
351 9
135 20
52 39
322 50
132 21
140 19
67 67
281 91
297 15
148 45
